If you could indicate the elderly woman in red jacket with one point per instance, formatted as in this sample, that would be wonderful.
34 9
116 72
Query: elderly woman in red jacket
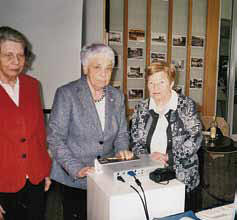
24 160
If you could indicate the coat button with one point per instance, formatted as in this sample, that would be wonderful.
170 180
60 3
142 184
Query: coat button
101 142
24 156
23 140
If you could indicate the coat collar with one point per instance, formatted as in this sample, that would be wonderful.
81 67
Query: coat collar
173 114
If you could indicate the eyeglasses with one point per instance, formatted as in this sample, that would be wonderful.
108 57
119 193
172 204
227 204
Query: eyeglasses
11 56
99 68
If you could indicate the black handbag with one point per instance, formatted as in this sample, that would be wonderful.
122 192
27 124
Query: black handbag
162 174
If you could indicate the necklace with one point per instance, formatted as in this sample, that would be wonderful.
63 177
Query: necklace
100 99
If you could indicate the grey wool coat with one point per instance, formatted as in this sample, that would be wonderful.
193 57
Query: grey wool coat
75 135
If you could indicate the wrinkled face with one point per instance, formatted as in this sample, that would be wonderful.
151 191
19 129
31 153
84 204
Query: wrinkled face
159 86
98 71
12 60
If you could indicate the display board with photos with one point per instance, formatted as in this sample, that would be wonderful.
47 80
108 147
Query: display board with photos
197 62
154 30
116 41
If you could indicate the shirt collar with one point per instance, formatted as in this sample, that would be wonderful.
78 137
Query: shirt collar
5 84
172 104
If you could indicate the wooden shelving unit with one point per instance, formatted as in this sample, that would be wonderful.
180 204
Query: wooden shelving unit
205 85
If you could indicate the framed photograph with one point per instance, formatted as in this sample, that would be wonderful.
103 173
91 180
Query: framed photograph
157 56
135 94
115 38
196 62
179 64
136 35
195 83
179 41
135 72
135 53
197 41
159 38
179 89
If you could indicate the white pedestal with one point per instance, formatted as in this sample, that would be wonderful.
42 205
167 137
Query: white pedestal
108 200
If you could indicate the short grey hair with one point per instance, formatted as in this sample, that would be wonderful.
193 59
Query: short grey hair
91 50
10 34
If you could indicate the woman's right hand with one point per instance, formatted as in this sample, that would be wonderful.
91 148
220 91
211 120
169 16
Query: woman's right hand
159 156
84 172
2 212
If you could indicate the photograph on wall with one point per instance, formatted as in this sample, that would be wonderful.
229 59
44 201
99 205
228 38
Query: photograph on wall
157 57
196 62
117 61
135 72
136 35
115 38
179 41
179 64
179 89
115 84
135 53
197 41
159 38
135 94
195 83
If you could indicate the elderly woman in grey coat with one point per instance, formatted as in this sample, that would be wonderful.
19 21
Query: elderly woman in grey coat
87 121
167 126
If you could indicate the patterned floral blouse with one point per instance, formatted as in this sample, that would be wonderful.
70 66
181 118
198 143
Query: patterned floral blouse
184 135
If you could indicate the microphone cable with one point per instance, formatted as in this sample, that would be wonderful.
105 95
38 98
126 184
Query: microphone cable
120 178
137 181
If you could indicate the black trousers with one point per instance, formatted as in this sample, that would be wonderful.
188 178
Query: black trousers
193 200
27 204
74 202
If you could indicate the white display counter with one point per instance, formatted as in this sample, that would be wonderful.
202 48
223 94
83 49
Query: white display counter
108 200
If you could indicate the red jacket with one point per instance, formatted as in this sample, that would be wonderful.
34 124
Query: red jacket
22 137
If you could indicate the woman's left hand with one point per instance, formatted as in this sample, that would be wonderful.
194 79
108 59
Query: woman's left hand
124 155
83 172
47 183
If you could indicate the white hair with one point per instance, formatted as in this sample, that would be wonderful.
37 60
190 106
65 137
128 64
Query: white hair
91 50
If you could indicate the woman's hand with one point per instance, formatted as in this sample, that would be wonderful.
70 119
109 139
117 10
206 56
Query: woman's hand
47 184
159 156
2 212
124 155
85 171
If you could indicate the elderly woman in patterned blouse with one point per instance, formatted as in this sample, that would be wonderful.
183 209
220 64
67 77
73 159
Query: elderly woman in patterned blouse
167 126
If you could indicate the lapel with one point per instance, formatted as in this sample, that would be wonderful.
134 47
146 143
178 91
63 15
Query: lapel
24 112
27 102
4 95
23 91
91 115
109 109
173 122
145 120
